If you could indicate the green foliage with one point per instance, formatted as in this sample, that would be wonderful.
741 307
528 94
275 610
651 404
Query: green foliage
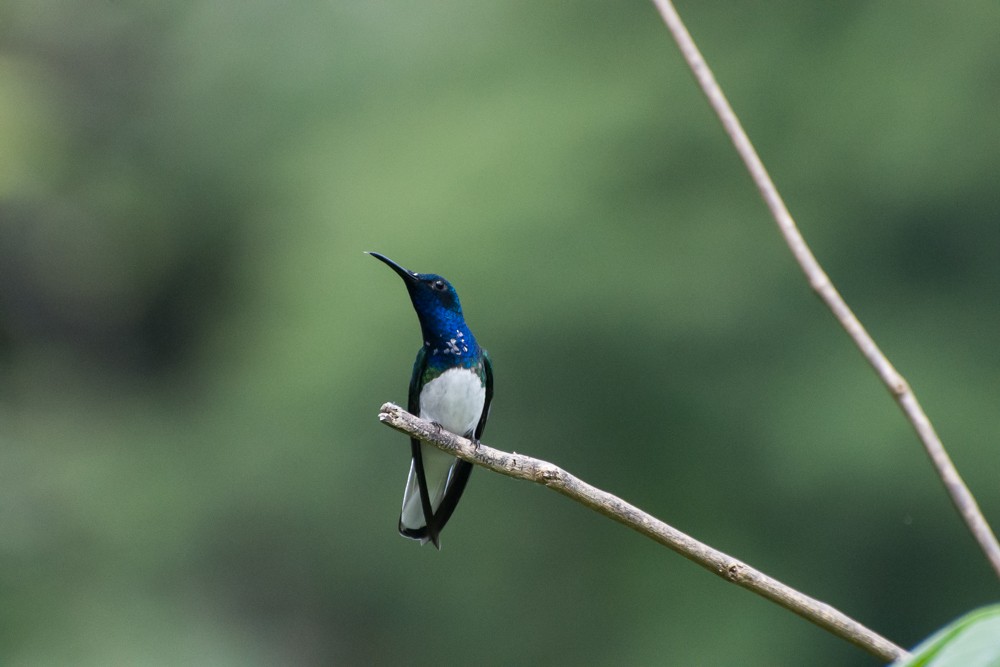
193 348
971 641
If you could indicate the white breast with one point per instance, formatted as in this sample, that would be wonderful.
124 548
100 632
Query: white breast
455 400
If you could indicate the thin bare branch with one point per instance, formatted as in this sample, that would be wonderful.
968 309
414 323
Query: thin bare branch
727 567
821 284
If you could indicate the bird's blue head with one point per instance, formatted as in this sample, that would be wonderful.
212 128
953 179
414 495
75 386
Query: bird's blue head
438 309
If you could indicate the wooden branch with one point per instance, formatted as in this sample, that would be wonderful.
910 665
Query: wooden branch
727 567
821 284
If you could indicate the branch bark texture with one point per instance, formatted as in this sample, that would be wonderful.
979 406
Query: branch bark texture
960 495
720 564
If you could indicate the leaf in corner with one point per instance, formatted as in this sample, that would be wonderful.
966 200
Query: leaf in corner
971 641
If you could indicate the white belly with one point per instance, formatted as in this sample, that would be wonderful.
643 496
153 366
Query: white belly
455 400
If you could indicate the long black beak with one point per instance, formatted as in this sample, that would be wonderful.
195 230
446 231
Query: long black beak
405 274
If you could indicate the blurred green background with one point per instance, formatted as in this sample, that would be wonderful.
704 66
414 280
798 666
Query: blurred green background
193 347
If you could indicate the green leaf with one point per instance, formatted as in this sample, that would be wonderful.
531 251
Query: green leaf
971 641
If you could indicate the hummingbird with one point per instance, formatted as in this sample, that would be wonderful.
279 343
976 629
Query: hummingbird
452 386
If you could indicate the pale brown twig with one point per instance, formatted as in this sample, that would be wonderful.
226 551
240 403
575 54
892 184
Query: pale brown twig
727 567
821 284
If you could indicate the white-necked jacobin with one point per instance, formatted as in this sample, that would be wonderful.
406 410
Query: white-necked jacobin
451 385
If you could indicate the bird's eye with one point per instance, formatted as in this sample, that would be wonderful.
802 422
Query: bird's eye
438 285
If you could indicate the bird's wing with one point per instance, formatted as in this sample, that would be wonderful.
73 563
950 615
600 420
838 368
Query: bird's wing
430 529
488 379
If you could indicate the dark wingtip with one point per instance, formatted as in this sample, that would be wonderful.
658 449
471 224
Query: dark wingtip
432 532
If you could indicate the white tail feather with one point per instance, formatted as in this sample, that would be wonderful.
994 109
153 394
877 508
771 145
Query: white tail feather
437 471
